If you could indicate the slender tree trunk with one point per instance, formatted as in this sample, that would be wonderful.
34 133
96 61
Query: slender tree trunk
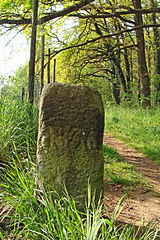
128 73
139 88
23 91
131 64
127 65
116 93
157 53
32 53
48 66
142 66
114 59
115 87
149 59
157 65
120 73
42 63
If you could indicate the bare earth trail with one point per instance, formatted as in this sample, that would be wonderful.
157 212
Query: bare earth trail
140 204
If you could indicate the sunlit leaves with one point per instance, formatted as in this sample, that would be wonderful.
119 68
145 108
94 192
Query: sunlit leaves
16 6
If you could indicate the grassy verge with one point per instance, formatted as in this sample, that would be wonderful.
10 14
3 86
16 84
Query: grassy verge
138 128
28 211
117 170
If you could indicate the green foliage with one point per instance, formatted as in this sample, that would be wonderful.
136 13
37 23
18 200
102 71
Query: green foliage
15 6
12 87
14 84
17 129
121 172
137 127
108 61
68 71
2 80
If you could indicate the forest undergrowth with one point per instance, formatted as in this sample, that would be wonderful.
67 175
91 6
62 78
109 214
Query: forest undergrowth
29 212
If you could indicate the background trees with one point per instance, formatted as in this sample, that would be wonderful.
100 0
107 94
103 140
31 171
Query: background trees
109 44
121 42
12 87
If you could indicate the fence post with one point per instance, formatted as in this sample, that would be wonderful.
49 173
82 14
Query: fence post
54 71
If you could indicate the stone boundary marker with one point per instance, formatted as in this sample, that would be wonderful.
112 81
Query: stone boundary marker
70 139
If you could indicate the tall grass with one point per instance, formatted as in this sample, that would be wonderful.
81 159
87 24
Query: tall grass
18 131
27 211
139 128
34 214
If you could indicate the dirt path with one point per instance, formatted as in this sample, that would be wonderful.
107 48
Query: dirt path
140 203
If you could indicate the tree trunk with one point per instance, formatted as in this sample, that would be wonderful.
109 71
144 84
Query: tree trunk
157 53
116 93
139 89
131 64
120 73
32 53
54 71
142 66
128 73
48 66
115 87
42 63
127 65
149 59
157 65
114 59
23 91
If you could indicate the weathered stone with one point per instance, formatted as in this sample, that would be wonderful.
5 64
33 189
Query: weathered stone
70 151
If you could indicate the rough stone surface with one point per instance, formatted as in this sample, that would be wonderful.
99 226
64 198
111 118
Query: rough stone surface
70 139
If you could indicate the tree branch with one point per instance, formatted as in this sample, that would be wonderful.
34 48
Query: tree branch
64 12
102 37
47 17
15 35
117 14
74 8
15 21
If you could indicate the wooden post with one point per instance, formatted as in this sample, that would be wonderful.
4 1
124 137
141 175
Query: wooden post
22 94
42 63
49 53
54 71
32 53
